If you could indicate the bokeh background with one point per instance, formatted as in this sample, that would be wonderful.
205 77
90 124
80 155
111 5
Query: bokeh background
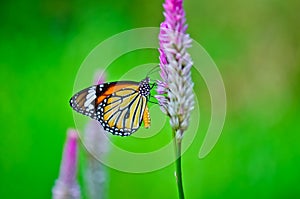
255 45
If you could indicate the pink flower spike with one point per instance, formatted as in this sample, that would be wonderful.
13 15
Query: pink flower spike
175 88
66 185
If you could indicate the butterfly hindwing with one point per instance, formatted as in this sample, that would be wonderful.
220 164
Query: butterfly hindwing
122 112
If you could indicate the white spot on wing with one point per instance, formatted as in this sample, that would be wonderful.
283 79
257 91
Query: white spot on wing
89 100
92 90
90 107
90 95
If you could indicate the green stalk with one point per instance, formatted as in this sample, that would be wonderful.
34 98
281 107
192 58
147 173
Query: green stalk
178 166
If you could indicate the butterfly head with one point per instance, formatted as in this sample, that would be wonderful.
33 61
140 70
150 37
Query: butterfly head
144 87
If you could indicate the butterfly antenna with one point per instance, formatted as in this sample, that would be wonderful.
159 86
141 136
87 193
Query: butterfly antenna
153 70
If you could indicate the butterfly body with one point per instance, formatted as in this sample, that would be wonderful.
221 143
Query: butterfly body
120 107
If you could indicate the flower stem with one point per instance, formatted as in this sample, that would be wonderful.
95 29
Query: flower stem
178 168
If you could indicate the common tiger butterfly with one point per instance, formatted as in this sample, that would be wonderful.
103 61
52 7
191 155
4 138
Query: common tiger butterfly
120 106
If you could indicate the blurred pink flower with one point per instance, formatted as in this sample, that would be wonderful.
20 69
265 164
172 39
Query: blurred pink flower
97 145
99 77
66 186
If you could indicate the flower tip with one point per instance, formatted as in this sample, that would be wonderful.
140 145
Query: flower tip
72 134
99 77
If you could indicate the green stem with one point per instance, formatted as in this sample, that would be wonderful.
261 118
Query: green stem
178 168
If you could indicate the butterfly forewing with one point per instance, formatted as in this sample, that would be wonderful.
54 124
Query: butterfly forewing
84 102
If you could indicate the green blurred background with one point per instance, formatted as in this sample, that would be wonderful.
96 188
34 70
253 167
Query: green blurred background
255 45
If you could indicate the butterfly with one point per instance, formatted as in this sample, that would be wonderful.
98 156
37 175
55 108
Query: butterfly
119 106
